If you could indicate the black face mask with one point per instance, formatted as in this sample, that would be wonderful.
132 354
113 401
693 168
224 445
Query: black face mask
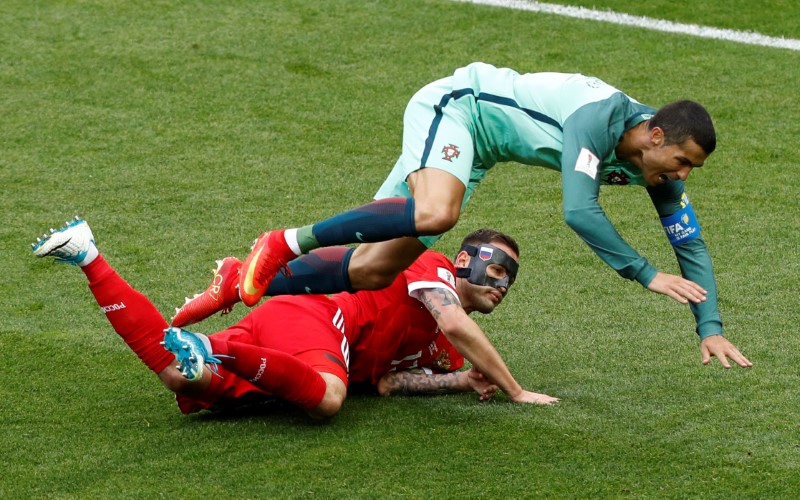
482 257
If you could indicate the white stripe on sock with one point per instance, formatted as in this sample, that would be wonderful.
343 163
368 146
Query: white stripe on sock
291 240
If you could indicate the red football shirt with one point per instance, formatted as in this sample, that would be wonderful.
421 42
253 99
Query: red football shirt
390 329
386 330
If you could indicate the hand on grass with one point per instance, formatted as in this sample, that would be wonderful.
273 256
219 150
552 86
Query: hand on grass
719 346
481 384
534 398
678 288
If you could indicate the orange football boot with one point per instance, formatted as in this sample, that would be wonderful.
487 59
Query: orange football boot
269 255
221 295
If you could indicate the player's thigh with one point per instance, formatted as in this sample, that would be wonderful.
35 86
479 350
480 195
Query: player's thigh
438 197
303 326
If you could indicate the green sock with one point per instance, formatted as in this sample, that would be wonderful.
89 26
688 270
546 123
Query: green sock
306 240
379 220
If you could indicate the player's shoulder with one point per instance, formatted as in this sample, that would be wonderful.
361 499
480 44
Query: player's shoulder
606 117
605 100
431 269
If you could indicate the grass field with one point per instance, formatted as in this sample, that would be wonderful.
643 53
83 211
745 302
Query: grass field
181 130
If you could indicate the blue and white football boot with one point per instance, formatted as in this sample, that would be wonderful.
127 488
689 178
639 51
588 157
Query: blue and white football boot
192 351
71 244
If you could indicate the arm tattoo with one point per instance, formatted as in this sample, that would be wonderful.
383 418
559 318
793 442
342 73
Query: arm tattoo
437 298
417 382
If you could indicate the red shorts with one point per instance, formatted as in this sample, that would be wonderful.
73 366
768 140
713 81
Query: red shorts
303 326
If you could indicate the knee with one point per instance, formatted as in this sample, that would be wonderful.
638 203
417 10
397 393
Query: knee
328 408
430 220
332 401
173 380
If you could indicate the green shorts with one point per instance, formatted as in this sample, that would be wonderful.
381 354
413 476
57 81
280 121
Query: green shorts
437 133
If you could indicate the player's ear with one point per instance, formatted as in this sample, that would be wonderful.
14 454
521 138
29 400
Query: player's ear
462 259
656 136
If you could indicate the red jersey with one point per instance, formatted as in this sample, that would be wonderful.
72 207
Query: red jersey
385 330
390 329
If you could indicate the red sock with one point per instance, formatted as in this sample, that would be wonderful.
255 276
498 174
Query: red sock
131 314
276 372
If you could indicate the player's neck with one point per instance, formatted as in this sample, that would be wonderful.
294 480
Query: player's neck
633 143
464 297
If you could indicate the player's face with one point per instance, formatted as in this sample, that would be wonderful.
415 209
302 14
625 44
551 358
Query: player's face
675 161
484 299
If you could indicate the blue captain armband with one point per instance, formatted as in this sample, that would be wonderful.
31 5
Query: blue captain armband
682 226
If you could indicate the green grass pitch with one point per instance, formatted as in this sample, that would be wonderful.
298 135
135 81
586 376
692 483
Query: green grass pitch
181 130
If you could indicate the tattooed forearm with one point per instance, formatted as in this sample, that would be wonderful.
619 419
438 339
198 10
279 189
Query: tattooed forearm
408 383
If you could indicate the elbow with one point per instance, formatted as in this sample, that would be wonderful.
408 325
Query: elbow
384 388
458 330
575 218
452 325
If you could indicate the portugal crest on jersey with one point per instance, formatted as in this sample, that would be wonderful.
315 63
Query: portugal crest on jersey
618 178
450 151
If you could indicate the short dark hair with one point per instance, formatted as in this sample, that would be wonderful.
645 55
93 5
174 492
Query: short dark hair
486 235
684 120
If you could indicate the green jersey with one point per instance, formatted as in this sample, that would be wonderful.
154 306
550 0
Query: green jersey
571 123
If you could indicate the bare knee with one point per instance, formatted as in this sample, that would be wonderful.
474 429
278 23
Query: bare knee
438 196
173 380
435 219
333 400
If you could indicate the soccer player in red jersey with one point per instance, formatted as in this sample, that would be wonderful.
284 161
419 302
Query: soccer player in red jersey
306 349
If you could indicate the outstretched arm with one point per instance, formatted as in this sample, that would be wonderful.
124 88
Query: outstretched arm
591 134
697 272
468 338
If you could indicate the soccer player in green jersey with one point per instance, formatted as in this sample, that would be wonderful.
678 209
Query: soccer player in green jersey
455 130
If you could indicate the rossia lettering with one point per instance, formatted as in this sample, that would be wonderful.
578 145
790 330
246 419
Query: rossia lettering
113 307
261 369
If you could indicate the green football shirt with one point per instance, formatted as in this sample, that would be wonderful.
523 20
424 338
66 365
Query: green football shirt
566 122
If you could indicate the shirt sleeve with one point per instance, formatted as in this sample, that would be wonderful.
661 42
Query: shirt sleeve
693 259
432 270
590 135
